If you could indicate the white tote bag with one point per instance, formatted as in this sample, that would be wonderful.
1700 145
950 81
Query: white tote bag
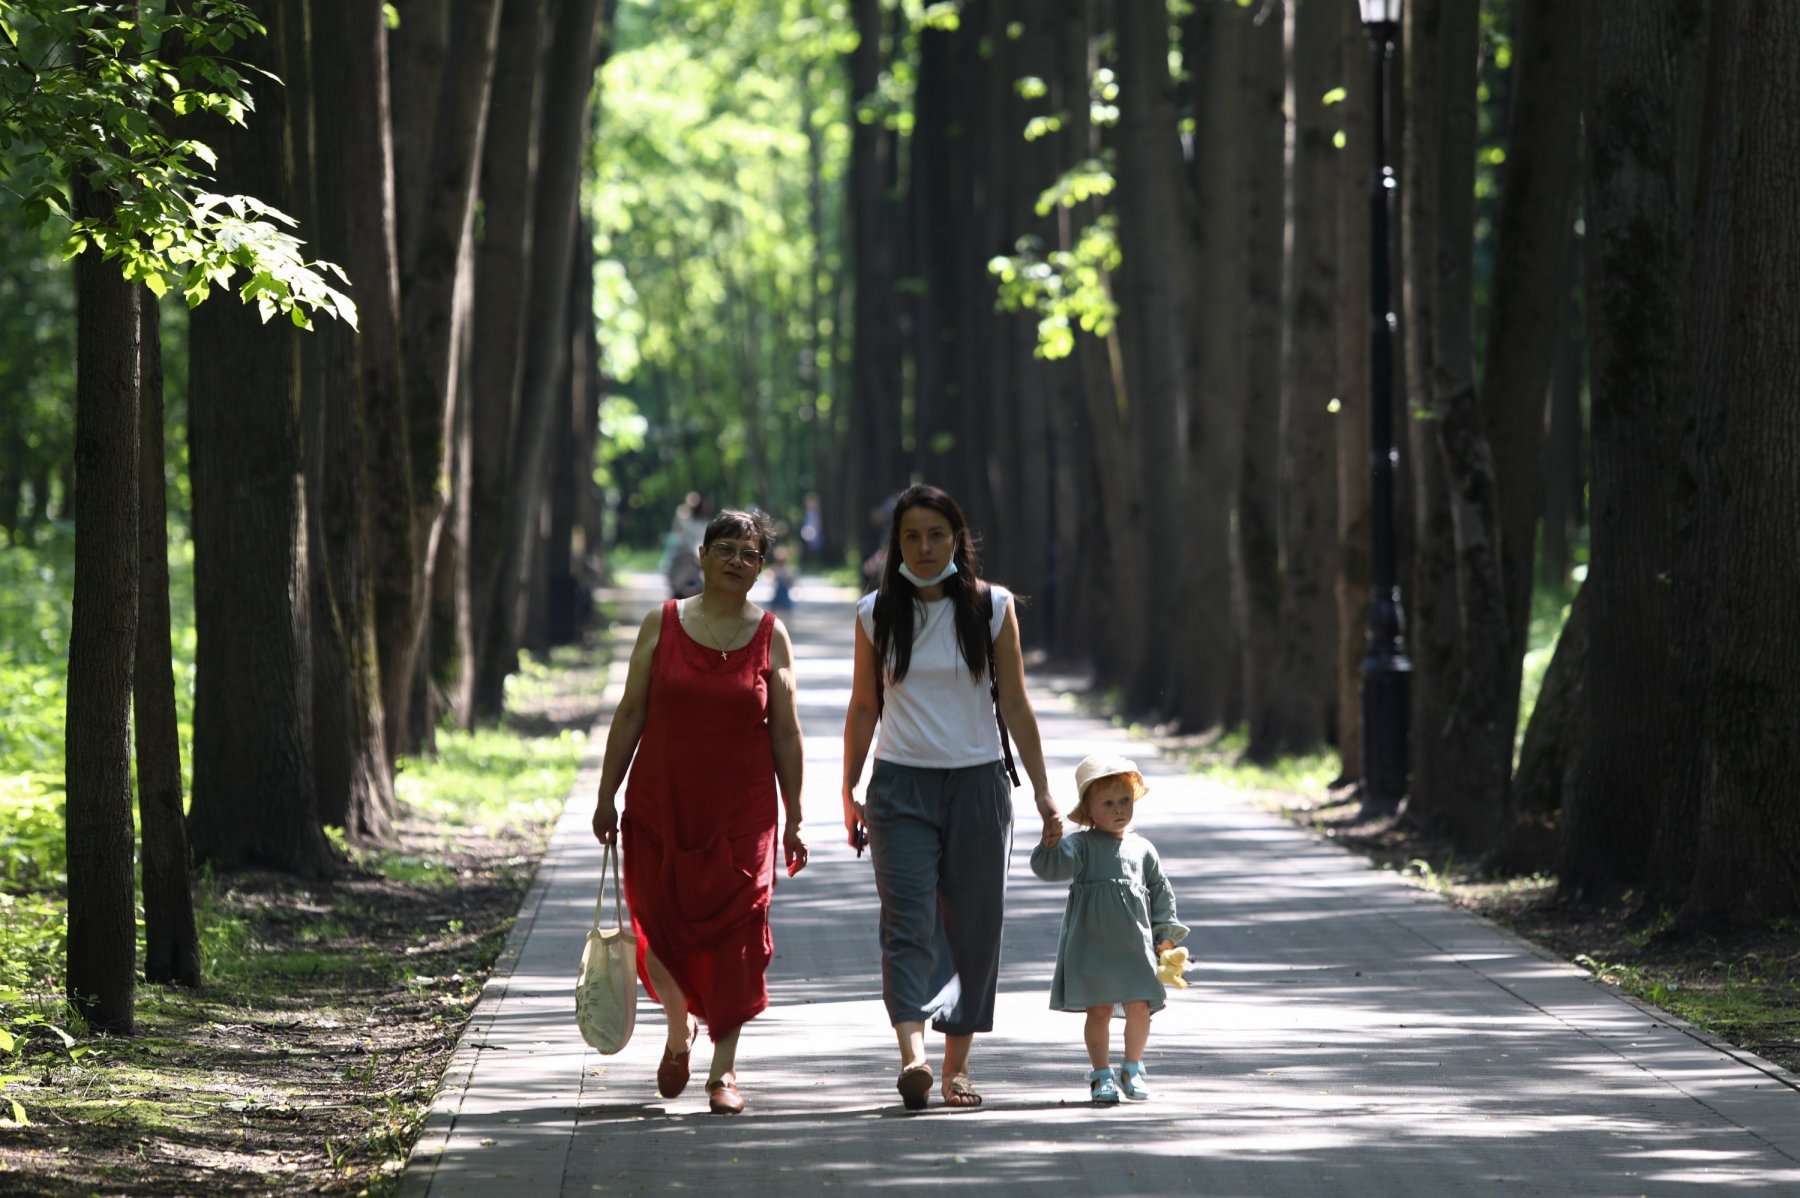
606 988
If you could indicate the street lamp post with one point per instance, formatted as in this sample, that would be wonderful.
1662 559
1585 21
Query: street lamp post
1386 671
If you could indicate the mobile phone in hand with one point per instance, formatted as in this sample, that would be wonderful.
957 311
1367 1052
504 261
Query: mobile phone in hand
860 839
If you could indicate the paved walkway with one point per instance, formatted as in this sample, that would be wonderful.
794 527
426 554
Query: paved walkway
1345 1033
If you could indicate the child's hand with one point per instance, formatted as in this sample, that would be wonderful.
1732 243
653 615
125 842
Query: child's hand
1163 946
1053 828
1171 964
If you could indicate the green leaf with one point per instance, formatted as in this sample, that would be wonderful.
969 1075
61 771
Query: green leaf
1336 95
73 246
7 1040
158 285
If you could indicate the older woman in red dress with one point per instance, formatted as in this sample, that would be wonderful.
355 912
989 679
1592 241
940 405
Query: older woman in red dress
708 727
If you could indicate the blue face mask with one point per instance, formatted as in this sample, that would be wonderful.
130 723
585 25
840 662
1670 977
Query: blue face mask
906 572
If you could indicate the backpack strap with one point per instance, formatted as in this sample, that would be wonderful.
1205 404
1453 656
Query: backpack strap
987 595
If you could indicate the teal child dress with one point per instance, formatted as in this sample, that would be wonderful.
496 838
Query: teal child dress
1120 907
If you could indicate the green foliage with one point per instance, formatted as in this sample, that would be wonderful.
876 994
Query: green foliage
716 294
1066 288
491 778
1549 612
1493 95
34 638
1224 761
35 587
495 781
37 362
82 89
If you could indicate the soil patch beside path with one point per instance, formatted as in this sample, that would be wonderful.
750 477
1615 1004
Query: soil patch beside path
312 1072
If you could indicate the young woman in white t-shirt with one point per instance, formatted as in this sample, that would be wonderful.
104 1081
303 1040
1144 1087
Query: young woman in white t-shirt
937 813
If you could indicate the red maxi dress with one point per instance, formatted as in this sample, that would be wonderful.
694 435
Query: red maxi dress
699 825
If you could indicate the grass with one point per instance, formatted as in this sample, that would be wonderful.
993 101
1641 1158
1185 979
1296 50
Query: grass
307 1059
327 1010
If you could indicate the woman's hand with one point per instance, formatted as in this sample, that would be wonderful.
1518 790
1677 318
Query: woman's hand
606 822
855 823
793 848
1053 820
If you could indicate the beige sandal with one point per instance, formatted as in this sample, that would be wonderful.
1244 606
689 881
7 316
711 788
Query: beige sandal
959 1094
914 1086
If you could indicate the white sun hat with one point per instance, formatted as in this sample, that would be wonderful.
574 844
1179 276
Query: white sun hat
1096 766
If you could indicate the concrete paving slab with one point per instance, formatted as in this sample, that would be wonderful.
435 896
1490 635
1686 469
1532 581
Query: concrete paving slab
1344 1033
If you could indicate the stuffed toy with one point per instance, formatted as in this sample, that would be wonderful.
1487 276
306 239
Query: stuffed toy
1171 965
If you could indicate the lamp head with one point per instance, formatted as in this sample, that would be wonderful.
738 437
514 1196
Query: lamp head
1380 12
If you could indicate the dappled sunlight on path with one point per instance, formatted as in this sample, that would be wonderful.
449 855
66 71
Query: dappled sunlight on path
1344 1033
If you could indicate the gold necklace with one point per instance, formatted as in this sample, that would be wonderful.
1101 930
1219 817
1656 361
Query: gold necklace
742 620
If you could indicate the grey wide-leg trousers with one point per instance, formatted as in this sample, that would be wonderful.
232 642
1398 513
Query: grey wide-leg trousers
941 840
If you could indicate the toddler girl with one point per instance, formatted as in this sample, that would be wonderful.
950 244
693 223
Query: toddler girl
1120 918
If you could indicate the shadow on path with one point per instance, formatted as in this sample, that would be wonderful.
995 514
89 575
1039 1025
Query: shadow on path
1343 1034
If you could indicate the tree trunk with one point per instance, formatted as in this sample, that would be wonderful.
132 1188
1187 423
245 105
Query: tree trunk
446 683
1259 493
1213 44
568 607
1475 726
569 82
1305 679
1355 529
874 228
1530 303
1118 485
933 211
986 375
1642 76
1432 606
350 168
1746 372
1558 724
102 931
432 253
254 798
1565 478
1022 471
171 944
509 171
1156 314
1549 755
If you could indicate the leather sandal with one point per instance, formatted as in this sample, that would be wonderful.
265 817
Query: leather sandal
672 1073
914 1086
724 1099
959 1094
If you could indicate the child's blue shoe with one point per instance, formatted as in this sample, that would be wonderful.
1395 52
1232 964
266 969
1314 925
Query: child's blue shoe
1100 1085
1133 1081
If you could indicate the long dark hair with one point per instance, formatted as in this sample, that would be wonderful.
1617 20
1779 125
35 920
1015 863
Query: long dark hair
897 599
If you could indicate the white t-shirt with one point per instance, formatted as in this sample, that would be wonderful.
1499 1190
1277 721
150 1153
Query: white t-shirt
939 716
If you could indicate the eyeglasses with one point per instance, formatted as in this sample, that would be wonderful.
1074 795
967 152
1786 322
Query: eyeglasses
727 553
